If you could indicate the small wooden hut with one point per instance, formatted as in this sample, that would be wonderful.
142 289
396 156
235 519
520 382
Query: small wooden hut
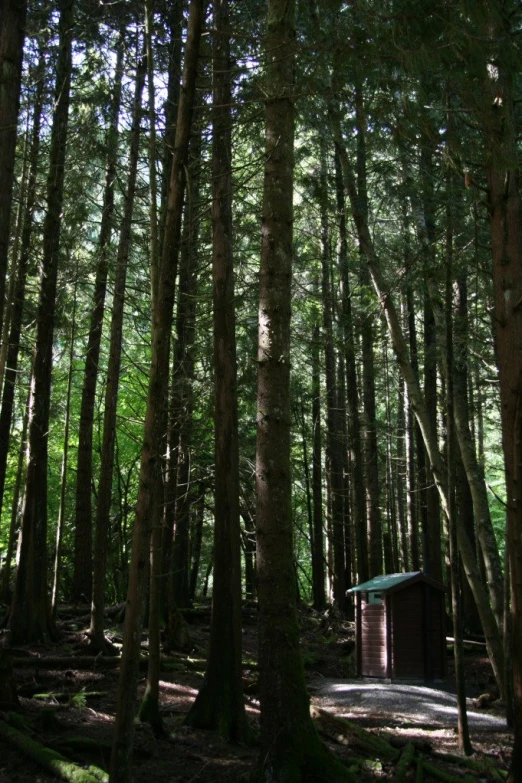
400 627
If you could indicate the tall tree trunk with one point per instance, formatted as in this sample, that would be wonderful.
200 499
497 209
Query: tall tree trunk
431 530
113 378
416 454
333 423
219 704
182 398
149 709
197 540
464 498
121 758
424 209
371 452
82 575
456 593
485 532
174 26
12 31
318 571
352 392
60 522
505 218
30 618
5 586
15 330
15 253
490 627
290 746
392 463
402 475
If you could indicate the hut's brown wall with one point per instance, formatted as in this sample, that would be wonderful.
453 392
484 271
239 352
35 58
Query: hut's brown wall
407 640
418 633
373 640
438 635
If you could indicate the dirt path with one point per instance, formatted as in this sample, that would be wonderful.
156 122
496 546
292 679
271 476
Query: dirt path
402 702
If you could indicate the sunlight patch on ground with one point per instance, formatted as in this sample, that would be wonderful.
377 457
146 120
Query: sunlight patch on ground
411 702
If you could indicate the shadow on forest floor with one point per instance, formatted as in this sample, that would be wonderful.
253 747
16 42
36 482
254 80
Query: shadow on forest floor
68 697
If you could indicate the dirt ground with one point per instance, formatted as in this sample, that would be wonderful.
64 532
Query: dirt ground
61 700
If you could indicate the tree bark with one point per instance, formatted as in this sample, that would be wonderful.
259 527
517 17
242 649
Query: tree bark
382 288
29 618
352 390
456 592
113 378
83 564
121 758
505 219
290 746
15 330
60 522
219 704
333 420
485 532
12 33
371 452
182 397
318 570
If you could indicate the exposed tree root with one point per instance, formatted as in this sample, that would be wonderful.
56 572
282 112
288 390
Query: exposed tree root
149 712
49 759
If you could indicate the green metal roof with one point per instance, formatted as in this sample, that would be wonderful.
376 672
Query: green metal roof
387 581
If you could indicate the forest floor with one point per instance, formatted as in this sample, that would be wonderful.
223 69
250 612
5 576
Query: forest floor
67 698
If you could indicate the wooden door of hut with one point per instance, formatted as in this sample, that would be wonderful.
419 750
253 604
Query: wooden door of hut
400 627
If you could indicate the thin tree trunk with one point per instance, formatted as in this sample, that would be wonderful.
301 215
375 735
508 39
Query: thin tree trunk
182 403
121 758
505 210
219 704
333 424
5 587
491 630
83 564
352 392
12 31
30 617
60 523
174 25
423 209
391 463
431 530
197 540
153 186
402 475
456 594
485 532
371 452
15 329
318 571
15 257
96 631
249 544
149 709
416 456
290 747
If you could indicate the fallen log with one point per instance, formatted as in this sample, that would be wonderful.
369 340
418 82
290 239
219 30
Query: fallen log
343 731
49 759
484 766
405 761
